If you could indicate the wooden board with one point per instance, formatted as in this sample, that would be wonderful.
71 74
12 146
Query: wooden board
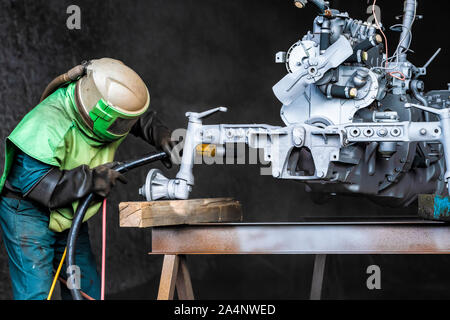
176 212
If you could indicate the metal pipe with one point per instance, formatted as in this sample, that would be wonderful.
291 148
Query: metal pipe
325 35
415 86
319 4
408 20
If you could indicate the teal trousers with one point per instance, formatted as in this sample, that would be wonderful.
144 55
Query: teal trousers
34 252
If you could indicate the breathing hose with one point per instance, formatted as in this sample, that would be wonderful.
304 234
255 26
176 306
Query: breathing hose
71 75
81 212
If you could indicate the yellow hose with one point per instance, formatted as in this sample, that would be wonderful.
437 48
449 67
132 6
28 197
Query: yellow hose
57 275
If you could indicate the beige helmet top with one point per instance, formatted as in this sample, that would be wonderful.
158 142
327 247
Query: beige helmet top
117 84
110 89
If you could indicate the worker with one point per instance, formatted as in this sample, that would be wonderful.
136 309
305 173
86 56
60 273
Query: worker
60 152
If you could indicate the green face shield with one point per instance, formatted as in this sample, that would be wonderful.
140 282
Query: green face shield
109 99
109 123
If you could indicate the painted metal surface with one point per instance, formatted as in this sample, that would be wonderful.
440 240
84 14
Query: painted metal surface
381 237
354 122
434 207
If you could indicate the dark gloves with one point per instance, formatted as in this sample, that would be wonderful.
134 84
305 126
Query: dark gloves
163 142
59 188
105 178
153 131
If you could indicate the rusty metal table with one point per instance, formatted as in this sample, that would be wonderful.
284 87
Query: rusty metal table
319 238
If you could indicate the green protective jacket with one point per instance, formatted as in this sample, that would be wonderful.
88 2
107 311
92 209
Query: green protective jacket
54 133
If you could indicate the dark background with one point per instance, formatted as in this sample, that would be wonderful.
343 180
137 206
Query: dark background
194 54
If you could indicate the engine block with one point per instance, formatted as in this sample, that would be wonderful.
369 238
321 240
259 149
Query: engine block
357 121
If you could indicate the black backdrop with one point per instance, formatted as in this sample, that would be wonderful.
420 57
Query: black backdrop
194 54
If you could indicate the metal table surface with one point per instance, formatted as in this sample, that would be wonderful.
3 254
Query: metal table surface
387 236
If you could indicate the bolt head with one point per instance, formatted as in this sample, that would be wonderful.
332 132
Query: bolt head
382 132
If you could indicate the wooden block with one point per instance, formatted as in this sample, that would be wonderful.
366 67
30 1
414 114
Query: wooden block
176 212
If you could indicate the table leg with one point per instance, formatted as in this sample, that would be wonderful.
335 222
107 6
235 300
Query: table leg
169 275
184 284
317 279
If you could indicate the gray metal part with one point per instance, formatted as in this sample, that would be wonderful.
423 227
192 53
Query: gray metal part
312 70
315 104
408 20
390 142
328 148
438 98
158 187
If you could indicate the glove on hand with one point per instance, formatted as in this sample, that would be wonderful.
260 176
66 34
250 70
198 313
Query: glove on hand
59 188
163 142
104 178
153 131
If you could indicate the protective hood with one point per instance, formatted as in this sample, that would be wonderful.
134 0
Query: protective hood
54 133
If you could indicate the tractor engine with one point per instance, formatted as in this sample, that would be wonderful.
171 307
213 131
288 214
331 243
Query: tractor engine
357 120
366 86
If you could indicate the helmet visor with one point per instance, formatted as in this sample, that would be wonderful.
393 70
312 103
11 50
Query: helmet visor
121 126
109 123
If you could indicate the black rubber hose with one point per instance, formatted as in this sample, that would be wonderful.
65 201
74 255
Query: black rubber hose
84 205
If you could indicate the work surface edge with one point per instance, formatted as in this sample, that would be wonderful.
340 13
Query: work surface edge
357 237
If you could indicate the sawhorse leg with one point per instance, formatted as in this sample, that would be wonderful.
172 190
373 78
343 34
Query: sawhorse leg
175 274
317 279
